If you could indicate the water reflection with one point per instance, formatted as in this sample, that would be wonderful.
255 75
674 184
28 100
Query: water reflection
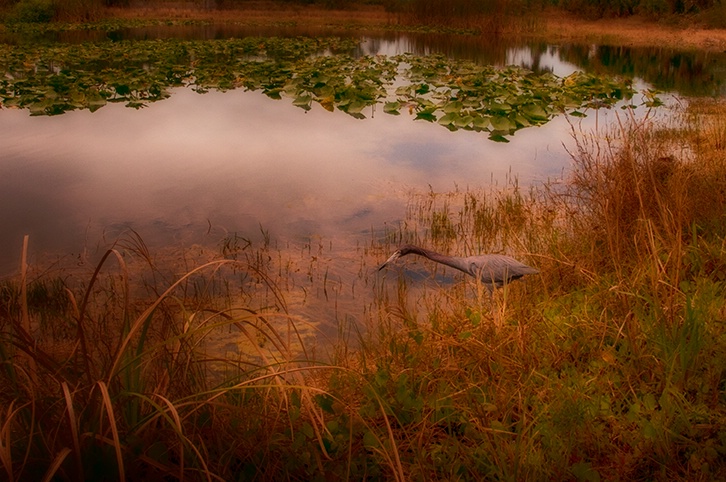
195 169
690 73
236 162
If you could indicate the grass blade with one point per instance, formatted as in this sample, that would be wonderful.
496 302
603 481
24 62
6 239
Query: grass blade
108 404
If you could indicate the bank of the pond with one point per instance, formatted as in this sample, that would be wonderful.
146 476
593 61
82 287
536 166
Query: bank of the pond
552 26
634 32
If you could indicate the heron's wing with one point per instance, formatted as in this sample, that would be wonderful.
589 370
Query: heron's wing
497 269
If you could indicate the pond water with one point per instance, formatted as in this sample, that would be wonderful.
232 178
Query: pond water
194 163
199 168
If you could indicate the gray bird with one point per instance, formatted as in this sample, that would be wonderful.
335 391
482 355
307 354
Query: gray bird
492 269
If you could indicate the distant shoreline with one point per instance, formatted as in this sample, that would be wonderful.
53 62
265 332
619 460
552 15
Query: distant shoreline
553 26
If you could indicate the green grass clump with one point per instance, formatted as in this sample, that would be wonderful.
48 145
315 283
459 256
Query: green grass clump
609 365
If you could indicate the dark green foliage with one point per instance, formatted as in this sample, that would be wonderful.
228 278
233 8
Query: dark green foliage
34 11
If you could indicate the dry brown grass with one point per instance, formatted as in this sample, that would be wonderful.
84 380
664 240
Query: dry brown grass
632 31
552 26
265 12
608 364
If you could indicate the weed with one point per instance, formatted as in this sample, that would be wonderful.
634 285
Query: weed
609 365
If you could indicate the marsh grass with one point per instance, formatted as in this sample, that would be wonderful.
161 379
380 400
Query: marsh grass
607 366
489 17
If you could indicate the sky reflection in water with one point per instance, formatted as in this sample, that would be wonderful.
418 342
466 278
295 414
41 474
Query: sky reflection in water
237 161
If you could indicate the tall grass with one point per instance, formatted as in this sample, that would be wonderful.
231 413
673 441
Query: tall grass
609 365
491 17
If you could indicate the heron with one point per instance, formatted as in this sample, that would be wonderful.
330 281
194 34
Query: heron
494 270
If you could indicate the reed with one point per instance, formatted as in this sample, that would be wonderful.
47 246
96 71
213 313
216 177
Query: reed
600 369
490 17
133 391
608 365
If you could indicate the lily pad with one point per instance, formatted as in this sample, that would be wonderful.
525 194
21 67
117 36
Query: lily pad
456 94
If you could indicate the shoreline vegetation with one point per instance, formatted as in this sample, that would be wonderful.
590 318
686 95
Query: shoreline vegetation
701 26
607 366
551 25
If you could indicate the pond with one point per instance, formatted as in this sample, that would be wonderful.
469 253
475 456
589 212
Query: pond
214 168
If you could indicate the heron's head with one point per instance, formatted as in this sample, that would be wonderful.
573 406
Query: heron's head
402 251
393 257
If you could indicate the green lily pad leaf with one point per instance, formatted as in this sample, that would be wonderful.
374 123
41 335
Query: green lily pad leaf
498 137
500 123
303 101
273 93
522 121
464 121
449 119
96 104
122 89
534 112
500 108
426 106
136 104
426 116
481 122
455 106
355 107
392 108
327 91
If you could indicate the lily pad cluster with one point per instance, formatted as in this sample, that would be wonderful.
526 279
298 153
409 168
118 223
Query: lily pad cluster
465 95
456 94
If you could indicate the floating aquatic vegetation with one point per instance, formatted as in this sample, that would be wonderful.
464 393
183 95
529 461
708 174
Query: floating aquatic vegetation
50 80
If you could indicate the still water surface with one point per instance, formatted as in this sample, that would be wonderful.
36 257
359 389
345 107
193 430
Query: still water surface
198 168
177 167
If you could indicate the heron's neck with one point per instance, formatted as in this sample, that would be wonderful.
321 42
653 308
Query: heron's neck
453 261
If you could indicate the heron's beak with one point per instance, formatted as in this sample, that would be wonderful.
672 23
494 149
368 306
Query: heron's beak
393 257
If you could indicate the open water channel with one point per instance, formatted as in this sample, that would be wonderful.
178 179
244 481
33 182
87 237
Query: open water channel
204 169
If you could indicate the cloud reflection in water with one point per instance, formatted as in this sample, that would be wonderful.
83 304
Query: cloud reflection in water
237 161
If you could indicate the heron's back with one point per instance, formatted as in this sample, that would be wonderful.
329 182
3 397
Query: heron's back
497 269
